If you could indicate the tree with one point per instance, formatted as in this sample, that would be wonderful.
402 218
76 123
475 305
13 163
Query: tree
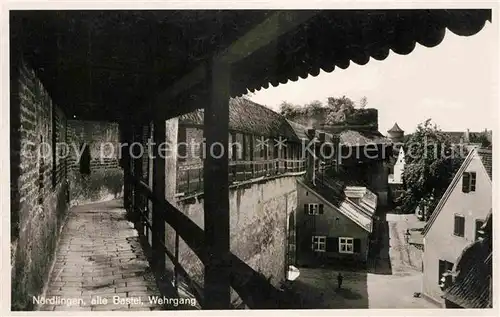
481 138
430 164
342 103
335 111
339 109
314 108
288 110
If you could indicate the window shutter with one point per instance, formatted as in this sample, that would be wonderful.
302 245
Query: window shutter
320 210
455 227
465 182
357 245
473 182
459 226
332 244
462 226
306 209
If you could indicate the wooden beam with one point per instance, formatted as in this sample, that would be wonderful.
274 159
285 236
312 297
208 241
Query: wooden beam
126 138
216 190
277 24
158 190
137 201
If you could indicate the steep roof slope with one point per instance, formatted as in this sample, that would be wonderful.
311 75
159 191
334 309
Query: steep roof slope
471 287
250 117
449 190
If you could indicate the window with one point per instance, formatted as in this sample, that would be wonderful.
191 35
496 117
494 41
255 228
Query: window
313 209
444 266
319 243
459 226
478 231
469 182
346 245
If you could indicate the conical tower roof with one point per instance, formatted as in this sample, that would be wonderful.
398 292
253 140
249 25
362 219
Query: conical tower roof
395 128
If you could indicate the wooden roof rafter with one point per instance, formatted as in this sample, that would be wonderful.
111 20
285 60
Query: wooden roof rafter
137 55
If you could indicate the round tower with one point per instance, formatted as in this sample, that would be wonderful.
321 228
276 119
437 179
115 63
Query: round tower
396 134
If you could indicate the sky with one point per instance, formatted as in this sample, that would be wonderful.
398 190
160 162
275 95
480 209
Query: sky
454 83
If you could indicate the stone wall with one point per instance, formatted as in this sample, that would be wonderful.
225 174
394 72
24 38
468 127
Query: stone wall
105 180
357 118
259 215
38 187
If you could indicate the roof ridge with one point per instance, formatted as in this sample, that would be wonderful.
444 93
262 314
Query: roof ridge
257 104
449 190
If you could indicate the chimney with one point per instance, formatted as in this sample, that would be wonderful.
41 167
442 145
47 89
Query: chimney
311 133
322 137
467 140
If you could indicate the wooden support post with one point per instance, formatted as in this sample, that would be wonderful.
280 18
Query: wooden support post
244 156
125 160
217 293
252 154
137 167
159 191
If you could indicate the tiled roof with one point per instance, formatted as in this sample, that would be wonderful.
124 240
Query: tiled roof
395 128
332 192
330 188
471 288
347 137
460 136
248 116
349 177
357 138
299 129
487 160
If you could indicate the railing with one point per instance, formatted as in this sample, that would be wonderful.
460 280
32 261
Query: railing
190 176
252 287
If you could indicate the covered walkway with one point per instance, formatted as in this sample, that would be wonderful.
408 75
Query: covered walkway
100 257
142 69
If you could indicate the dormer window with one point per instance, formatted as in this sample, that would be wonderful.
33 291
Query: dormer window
469 182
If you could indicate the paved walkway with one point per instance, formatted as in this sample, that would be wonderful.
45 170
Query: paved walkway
100 264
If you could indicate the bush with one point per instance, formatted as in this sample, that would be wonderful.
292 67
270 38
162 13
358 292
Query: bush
101 184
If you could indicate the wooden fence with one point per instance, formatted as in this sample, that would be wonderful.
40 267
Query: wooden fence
190 175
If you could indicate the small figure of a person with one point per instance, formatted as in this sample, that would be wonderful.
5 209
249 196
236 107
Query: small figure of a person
340 278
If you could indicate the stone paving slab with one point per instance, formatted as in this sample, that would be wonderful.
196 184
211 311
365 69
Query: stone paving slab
100 265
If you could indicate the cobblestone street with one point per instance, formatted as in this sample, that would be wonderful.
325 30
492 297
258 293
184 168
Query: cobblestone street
100 264
389 282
